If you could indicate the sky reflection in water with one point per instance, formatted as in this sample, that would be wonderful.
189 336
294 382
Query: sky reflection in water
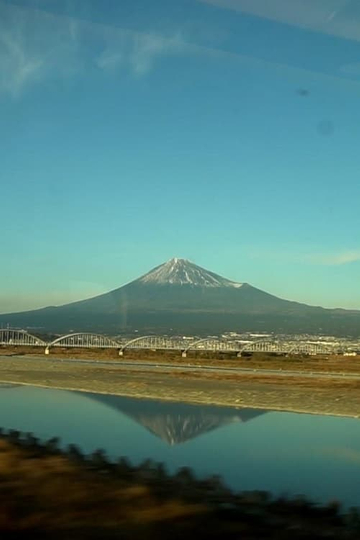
282 452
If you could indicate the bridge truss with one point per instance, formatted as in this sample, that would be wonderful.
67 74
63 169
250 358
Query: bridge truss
156 343
87 340
289 347
9 337
313 348
266 346
212 345
83 340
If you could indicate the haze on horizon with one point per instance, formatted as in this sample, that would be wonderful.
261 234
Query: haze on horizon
222 131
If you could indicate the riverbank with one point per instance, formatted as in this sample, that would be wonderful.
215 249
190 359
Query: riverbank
46 492
334 396
303 363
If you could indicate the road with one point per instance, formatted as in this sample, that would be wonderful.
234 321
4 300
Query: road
153 366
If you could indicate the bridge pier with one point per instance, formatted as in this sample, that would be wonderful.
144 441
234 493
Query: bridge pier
121 352
183 354
47 350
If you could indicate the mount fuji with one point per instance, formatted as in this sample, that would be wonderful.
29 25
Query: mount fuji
180 297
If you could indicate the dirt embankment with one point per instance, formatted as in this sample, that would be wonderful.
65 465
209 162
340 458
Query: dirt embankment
333 396
323 363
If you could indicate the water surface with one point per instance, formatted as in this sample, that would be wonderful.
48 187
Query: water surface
285 453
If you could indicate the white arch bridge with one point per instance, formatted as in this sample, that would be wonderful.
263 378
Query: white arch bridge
9 336
88 340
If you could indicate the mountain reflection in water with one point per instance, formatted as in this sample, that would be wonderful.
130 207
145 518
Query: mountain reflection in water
176 423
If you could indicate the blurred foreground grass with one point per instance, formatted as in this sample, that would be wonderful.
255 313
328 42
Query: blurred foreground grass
48 493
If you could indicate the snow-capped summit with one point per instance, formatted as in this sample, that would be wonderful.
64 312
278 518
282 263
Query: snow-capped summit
183 272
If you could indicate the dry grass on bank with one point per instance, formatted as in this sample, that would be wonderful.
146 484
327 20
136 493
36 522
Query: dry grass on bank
47 494
326 364
257 377
50 494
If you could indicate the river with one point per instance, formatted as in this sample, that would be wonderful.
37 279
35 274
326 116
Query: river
285 453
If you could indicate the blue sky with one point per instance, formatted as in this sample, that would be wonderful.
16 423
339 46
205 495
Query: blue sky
137 131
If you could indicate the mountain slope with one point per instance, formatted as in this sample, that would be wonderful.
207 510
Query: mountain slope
179 296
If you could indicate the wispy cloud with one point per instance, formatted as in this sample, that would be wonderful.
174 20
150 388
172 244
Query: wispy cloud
18 66
23 300
334 259
322 258
36 45
349 455
352 69
334 17
138 51
33 46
